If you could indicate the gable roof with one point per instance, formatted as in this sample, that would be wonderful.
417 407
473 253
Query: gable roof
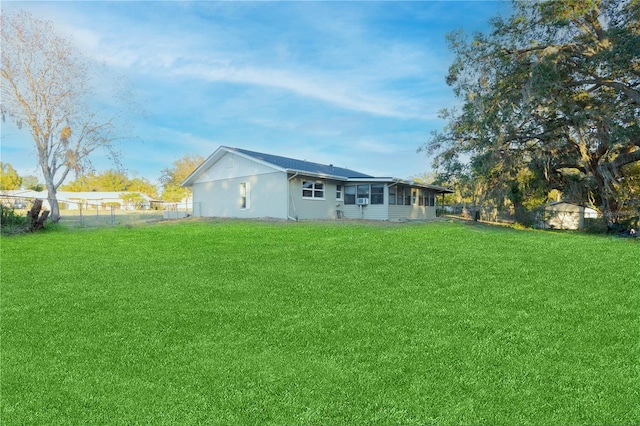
285 164
293 165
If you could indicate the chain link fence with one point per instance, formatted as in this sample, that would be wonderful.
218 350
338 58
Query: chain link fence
94 214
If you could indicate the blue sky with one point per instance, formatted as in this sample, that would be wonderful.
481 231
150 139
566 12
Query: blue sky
355 84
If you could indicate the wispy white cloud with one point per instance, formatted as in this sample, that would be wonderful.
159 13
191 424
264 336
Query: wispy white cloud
375 146
329 54
350 83
317 87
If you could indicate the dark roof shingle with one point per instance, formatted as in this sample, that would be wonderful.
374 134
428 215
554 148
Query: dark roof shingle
303 166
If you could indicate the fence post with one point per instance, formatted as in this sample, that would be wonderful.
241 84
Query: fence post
113 215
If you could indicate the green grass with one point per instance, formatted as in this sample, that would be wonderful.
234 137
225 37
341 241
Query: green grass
234 322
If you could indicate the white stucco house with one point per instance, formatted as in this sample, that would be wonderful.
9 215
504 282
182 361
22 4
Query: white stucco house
238 183
565 215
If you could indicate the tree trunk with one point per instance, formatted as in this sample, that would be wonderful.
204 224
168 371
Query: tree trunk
36 220
55 207
606 190
51 194
610 212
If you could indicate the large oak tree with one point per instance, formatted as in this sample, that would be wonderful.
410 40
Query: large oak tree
553 89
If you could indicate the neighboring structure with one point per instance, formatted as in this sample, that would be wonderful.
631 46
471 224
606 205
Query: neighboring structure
239 183
86 200
565 215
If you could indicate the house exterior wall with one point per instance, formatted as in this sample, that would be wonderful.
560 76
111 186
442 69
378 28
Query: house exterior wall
411 212
232 166
265 197
370 211
415 210
388 211
312 208
217 193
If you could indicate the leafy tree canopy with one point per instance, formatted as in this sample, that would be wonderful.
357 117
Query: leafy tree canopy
9 178
551 100
111 180
171 178
31 182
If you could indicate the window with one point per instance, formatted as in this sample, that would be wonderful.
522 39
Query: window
407 196
374 193
426 198
338 192
350 194
400 199
363 191
377 193
392 194
244 195
312 189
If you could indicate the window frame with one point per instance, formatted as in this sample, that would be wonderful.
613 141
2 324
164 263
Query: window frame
366 194
245 195
393 191
314 189
350 199
376 198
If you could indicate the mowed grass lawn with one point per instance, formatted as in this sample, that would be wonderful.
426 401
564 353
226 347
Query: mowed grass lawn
240 322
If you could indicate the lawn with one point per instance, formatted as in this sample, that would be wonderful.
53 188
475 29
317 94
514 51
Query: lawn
239 322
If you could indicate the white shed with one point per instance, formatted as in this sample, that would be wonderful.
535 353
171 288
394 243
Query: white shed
566 215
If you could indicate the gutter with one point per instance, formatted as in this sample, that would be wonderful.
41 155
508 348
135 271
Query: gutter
316 175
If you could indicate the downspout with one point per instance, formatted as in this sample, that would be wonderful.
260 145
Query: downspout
291 197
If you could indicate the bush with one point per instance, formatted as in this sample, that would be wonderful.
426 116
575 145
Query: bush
10 222
525 217
595 225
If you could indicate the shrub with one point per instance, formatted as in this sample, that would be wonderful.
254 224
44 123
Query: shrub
595 225
10 221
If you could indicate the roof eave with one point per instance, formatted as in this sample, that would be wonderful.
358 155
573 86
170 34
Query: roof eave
190 180
439 189
317 175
